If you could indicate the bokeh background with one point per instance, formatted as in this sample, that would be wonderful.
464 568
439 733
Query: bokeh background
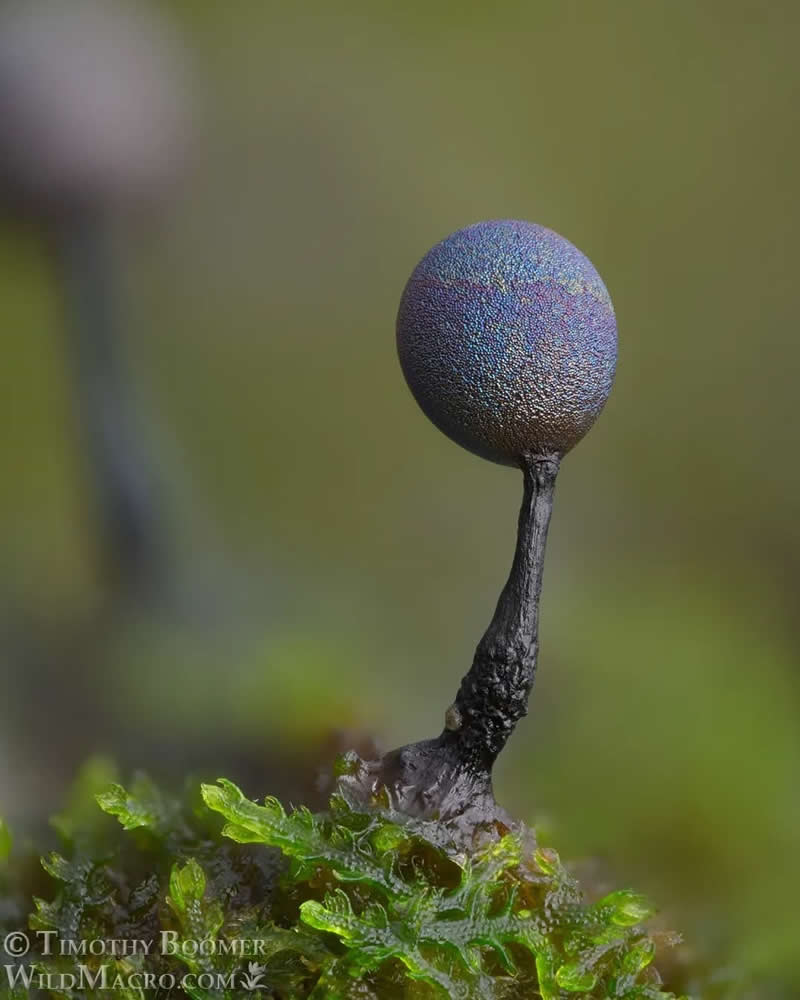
334 559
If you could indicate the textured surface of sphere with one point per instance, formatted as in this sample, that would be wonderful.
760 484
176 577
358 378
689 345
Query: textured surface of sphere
507 338
92 102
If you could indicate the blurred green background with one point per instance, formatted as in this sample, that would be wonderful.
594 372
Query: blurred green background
347 554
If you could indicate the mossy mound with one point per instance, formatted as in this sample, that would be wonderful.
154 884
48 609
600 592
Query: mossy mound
355 902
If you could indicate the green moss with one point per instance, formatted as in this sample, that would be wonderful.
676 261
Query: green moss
354 902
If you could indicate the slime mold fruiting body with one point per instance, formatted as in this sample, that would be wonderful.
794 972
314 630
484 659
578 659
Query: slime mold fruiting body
507 338
94 121
93 105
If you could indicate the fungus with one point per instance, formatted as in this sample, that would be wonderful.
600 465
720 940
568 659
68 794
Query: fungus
507 339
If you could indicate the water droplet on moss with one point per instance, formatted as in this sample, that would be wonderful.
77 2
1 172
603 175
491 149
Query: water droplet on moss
628 908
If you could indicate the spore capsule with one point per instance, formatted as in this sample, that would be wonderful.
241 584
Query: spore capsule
508 340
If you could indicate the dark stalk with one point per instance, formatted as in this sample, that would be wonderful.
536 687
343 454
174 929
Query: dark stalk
449 778
124 482
493 696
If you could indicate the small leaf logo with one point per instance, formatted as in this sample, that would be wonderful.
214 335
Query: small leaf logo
251 980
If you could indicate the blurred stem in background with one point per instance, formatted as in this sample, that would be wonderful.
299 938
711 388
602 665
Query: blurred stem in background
94 124
127 500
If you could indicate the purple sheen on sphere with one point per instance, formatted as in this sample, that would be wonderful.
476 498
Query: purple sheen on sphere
507 339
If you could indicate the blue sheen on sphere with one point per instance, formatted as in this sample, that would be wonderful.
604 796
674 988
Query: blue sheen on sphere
507 338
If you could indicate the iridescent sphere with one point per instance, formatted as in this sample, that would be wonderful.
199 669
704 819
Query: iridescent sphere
507 338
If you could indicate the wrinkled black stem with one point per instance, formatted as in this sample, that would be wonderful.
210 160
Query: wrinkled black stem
449 778
493 695
124 482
